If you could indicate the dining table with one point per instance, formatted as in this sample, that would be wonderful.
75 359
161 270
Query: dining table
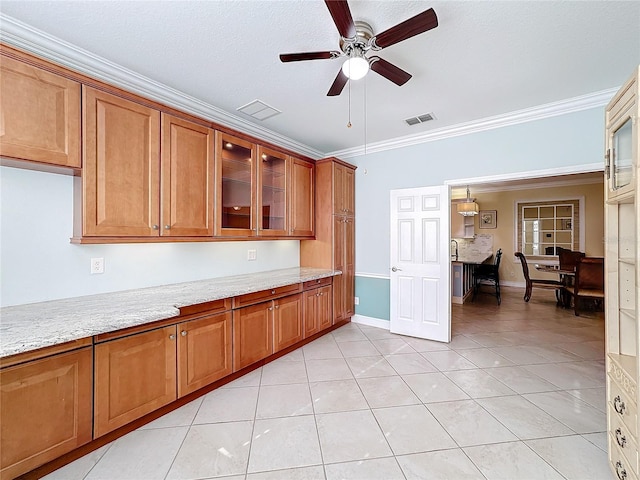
566 277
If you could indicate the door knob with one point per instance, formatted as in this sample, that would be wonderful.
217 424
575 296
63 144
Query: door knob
395 269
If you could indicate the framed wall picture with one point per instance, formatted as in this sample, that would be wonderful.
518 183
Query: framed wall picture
488 219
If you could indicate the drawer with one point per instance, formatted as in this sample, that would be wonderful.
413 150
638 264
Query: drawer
618 463
320 282
264 295
622 406
215 306
620 435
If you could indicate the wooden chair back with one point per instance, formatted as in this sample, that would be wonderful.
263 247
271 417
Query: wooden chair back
589 280
568 259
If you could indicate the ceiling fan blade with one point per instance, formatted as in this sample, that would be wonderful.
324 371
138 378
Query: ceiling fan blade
338 84
389 71
339 10
414 26
297 57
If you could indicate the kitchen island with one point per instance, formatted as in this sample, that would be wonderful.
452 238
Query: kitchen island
462 267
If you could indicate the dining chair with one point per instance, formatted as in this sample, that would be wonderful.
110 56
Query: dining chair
588 281
537 282
568 259
487 274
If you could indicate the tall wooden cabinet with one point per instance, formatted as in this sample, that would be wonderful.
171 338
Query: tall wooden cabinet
39 115
622 277
334 246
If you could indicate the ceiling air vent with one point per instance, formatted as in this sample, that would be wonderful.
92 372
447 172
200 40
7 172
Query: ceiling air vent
259 110
420 119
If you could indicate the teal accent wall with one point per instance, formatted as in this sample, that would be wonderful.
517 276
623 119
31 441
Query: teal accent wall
374 297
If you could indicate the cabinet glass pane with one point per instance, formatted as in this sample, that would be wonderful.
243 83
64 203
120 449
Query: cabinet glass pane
621 164
236 186
274 193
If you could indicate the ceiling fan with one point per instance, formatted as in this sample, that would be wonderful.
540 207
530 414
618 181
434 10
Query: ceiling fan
357 39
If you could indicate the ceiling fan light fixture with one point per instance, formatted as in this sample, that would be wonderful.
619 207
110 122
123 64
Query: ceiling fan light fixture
355 67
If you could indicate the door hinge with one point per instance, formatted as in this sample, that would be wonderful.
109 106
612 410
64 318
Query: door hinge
607 164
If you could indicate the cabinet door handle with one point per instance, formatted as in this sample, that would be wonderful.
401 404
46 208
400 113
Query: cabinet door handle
620 438
273 292
321 293
156 227
183 333
619 405
270 309
277 306
167 227
620 471
172 336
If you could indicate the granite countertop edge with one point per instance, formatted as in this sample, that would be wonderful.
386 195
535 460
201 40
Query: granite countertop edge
28 327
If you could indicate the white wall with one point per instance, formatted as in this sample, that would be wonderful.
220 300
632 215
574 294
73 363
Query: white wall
38 263
566 140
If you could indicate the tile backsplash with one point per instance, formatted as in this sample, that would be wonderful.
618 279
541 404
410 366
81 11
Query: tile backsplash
481 243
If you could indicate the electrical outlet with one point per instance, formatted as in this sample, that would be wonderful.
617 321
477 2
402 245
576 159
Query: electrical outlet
356 300
251 255
97 265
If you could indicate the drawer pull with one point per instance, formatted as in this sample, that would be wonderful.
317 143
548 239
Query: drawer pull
620 438
620 471
618 404
183 333
172 336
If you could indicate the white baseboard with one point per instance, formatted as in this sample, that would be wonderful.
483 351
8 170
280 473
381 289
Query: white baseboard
371 321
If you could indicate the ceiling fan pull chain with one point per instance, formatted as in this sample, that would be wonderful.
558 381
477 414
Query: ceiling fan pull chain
365 117
349 123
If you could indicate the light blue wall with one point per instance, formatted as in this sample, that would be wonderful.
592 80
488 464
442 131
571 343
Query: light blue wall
567 140
38 263
373 294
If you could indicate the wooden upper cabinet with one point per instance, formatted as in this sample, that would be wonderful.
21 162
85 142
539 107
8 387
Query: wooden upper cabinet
235 179
39 115
121 173
46 410
187 176
272 192
302 199
343 190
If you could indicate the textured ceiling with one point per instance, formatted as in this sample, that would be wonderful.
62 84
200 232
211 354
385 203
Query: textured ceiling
485 58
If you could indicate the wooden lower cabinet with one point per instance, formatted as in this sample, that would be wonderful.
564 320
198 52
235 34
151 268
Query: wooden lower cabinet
318 310
134 376
204 352
45 410
252 334
287 322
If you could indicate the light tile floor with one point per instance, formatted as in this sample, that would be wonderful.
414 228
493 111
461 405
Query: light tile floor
518 394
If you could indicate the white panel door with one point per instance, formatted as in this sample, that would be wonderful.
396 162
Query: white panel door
420 263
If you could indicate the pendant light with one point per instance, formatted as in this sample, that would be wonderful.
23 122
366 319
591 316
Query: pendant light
468 208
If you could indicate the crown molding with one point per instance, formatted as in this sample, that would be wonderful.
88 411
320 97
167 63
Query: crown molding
562 107
37 42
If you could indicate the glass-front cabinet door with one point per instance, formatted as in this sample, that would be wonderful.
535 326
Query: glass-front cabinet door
273 190
620 163
622 143
235 181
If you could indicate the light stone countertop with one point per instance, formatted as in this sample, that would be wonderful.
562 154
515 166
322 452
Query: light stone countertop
32 326
472 258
